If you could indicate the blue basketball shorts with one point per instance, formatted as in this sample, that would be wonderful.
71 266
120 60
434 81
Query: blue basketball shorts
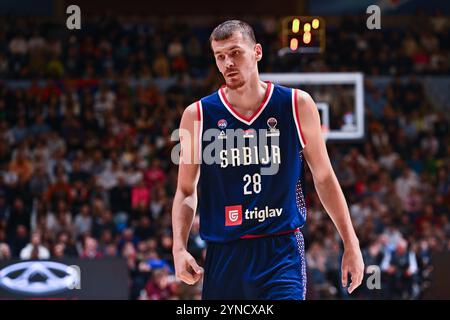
267 268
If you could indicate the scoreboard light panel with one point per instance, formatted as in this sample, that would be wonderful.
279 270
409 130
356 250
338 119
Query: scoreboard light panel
303 34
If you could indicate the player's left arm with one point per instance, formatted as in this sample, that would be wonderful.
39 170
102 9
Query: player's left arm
328 188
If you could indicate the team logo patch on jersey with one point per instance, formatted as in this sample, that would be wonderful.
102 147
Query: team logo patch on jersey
272 122
233 215
249 133
273 132
222 124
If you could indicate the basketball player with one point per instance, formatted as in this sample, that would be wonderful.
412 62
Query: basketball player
251 221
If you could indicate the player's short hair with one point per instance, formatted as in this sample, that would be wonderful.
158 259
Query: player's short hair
226 30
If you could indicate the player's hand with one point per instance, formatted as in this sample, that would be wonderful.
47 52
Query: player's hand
352 262
186 268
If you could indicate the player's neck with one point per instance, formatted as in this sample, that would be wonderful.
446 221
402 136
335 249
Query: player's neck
247 98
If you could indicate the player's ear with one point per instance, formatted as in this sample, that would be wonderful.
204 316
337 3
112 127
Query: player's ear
258 52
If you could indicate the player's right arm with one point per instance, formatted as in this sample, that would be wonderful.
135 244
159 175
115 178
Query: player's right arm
185 200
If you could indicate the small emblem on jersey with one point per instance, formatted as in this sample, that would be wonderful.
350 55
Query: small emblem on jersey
233 215
222 124
273 132
249 133
272 122
222 135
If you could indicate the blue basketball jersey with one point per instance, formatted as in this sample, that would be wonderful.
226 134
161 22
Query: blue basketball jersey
251 173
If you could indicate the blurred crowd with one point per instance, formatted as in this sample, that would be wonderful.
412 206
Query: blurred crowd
397 185
149 47
86 171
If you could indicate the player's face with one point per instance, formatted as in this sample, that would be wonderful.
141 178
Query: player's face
236 58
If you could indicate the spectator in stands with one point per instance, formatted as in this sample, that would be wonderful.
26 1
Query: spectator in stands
4 209
400 267
60 190
90 249
83 221
159 286
19 215
35 250
67 243
5 250
21 166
